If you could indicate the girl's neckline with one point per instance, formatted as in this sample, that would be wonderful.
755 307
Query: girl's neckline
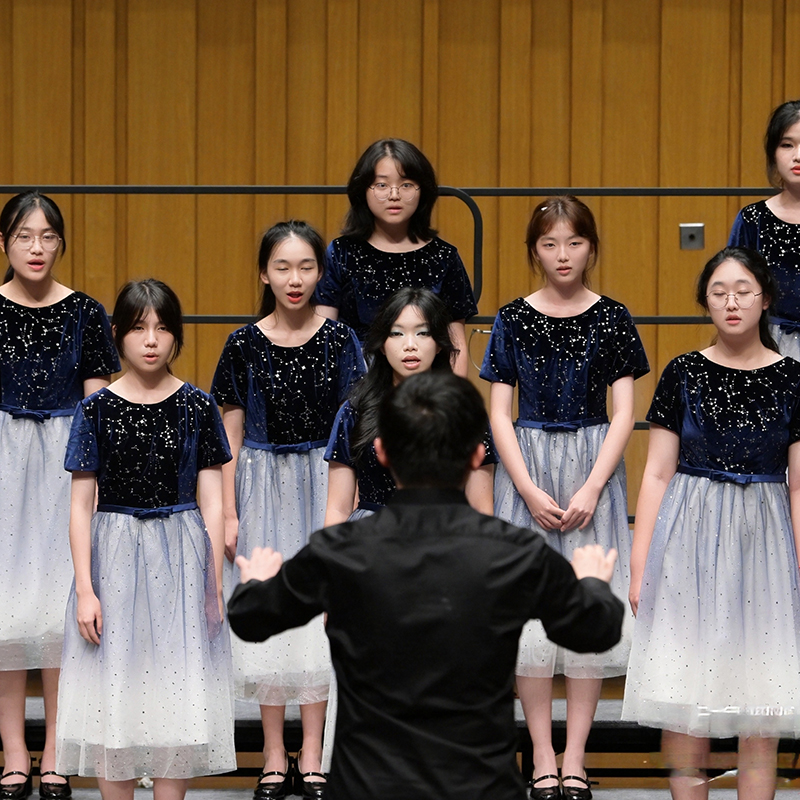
569 316
134 403
739 369
290 346
780 219
399 252
47 305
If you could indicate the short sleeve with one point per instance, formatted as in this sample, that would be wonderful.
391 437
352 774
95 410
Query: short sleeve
456 289
351 366
743 233
338 449
83 454
98 353
499 365
329 288
230 378
629 357
666 409
213 448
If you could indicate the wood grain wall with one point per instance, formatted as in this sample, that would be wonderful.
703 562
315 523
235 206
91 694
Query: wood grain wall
496 92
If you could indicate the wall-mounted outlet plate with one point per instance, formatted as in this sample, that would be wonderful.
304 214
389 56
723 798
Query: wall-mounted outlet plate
693 235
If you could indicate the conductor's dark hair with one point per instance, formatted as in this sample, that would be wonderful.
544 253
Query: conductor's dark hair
277 234
135 299
754 263
781 119
412 164
430 425
562 208
16 210
370 391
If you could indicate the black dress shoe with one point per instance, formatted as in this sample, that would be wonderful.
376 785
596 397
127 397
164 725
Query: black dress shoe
577 792
546 792
16 791
274 790
54 791
309 790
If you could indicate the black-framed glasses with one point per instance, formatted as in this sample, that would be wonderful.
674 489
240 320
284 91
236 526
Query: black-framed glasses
383 191
744 299
49 241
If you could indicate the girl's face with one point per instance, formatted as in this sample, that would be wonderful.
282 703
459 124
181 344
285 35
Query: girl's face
292 272
563 254
735 300
32 248
403 194
787 156
148 346
410 348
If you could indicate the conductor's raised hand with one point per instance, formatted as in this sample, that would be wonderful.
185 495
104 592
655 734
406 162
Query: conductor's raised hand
592 562
263 564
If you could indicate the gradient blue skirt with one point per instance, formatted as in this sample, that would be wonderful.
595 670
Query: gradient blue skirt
788 342
35 560
716 647
559 463
155 697
280 501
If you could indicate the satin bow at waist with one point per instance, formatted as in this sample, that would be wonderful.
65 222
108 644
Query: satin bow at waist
742 478
788 325
147 513
280 449
36 414
569 426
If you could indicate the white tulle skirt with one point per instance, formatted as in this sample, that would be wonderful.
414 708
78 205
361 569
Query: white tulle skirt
155 697
559 463
281 502
35 561
716 648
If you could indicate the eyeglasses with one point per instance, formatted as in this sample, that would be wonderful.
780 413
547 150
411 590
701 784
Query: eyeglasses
743 299
49 241
383 191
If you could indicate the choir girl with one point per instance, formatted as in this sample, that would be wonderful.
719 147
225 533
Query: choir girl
561 470
55 348
772 226
409 335
146 684
280 382
714 568
388 243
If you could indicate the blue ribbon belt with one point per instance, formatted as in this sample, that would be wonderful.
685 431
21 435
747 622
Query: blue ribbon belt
280 449
788 325
731 477
569 426
36 414
367 506
147 513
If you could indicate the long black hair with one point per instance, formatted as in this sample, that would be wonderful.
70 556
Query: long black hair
369 392
755 263
135 299
412 164
16 210
280 232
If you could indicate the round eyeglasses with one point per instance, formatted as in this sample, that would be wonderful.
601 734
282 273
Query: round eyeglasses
405 191
49 241
743 299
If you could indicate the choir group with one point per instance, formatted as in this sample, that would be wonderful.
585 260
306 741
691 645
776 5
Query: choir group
150 493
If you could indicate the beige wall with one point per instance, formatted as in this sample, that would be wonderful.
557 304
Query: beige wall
496 92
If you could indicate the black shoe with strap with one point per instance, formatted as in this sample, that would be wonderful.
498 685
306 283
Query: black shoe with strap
577 792
275 790
16 791
545 792
54 791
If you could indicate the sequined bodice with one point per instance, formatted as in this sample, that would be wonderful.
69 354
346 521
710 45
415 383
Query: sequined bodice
46 353
733 420
359 277
290 394
563 364
147 455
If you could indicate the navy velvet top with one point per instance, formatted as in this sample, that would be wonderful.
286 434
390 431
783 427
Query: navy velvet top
290 394
47 353
731 420
758 228
358 278
563 364
147 455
